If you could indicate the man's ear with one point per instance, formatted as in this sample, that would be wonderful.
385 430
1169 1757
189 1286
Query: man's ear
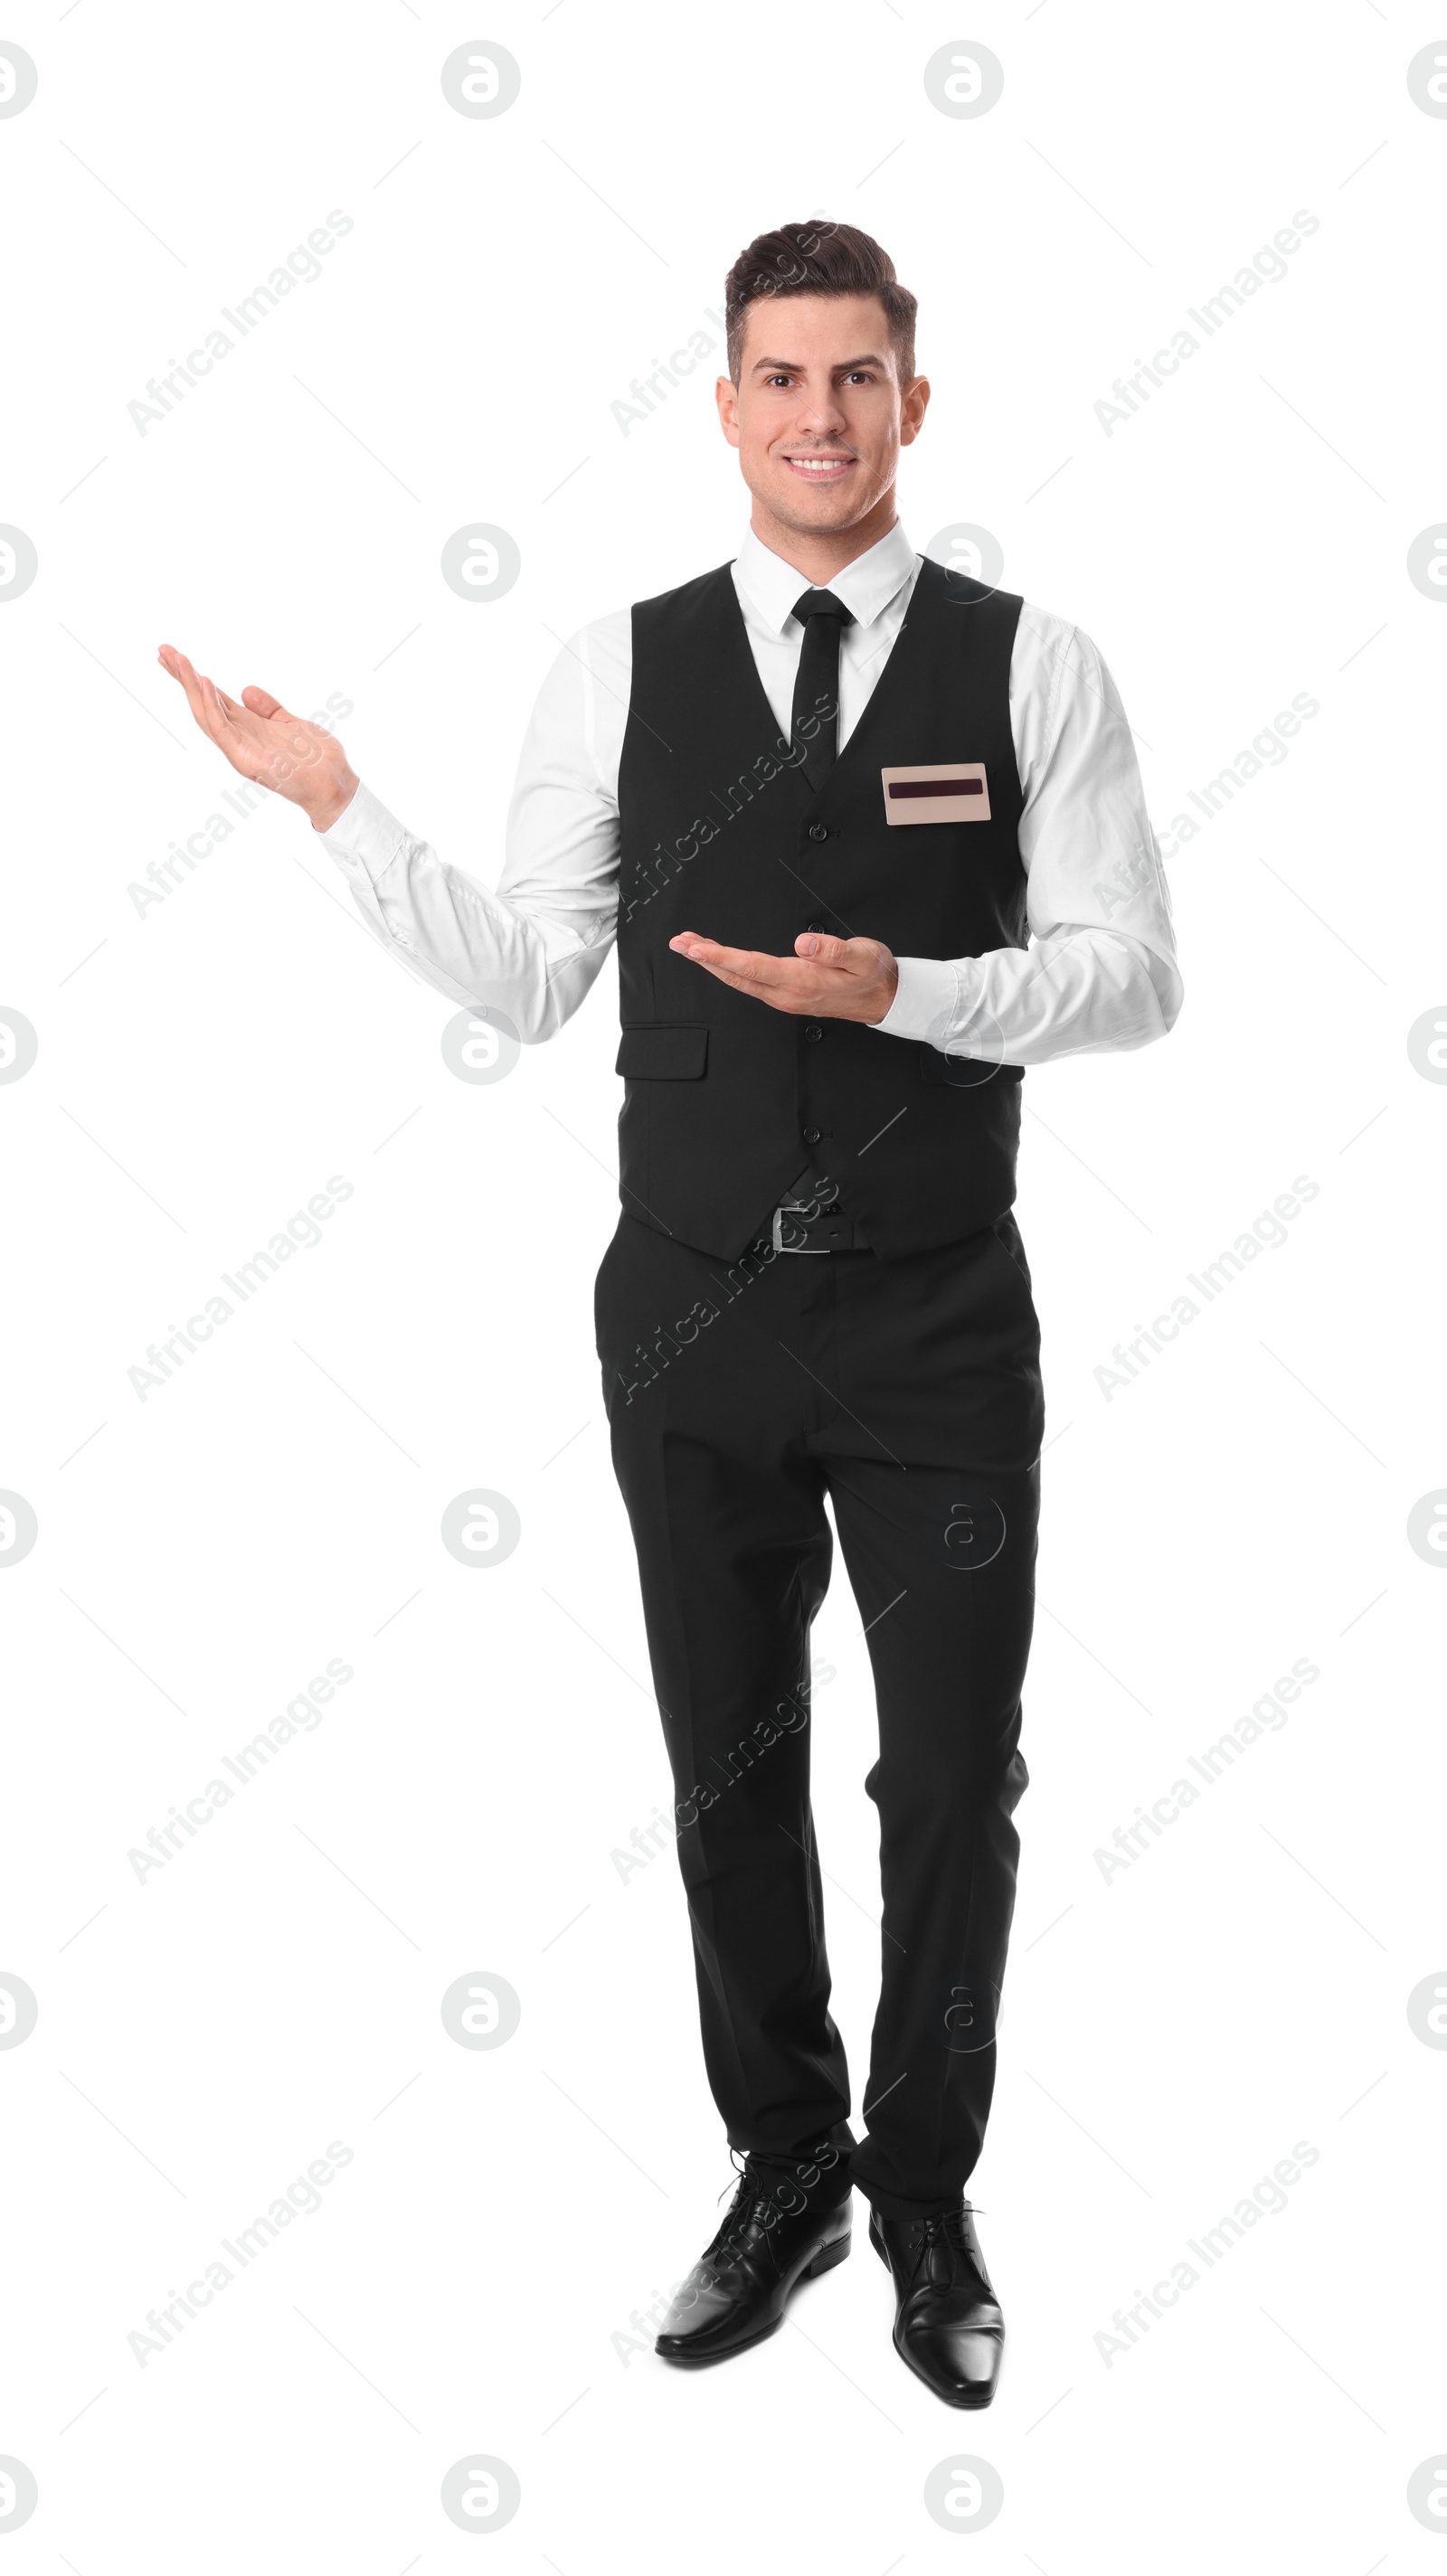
913 405
726 395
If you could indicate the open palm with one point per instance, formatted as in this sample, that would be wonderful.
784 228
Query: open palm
265 742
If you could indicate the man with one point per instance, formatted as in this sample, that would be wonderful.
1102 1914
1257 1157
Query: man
822 797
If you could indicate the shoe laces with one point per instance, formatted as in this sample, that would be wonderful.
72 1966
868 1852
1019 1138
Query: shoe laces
944 2230
944 2226
750 2201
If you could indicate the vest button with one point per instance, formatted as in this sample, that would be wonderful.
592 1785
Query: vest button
811 1135
818 831
812 1032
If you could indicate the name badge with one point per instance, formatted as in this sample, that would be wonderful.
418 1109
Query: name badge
945 791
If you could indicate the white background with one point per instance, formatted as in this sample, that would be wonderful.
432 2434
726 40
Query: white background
205 1066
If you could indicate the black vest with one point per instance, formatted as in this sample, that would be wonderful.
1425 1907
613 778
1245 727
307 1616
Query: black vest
725 1098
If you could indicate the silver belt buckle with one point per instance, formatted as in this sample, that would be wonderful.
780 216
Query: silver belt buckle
818 1251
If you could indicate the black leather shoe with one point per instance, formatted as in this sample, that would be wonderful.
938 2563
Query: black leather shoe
737 2292
948 2325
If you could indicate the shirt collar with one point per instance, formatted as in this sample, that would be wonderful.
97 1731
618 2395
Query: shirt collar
866 586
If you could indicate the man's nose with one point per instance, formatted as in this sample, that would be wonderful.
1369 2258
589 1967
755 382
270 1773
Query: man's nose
821 414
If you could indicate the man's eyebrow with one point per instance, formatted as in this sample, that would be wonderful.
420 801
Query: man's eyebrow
795 367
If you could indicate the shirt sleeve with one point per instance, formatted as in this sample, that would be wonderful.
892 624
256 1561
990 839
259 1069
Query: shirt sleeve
533 948
1100 971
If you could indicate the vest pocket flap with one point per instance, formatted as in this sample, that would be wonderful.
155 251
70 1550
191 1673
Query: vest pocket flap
662 1055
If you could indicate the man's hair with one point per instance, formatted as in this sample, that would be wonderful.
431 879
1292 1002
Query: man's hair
818 259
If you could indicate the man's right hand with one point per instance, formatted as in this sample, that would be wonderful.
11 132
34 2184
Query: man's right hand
266 743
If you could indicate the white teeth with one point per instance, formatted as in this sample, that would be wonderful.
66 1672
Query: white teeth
819 464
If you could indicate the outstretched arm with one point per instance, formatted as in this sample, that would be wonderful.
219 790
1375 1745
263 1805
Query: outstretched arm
1100 972
533 948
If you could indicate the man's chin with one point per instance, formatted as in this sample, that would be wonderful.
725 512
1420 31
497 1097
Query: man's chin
827 513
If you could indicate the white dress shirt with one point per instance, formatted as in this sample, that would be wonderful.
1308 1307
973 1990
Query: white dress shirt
1100 970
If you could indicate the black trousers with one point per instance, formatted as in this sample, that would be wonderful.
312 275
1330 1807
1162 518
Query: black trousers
908 1393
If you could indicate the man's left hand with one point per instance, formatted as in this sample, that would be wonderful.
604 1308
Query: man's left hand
825 979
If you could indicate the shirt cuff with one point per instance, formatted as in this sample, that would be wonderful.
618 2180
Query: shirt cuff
365 838
926 1004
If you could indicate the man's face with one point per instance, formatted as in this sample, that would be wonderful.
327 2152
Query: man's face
819 414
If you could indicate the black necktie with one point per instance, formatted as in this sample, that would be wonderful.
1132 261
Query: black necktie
816 690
